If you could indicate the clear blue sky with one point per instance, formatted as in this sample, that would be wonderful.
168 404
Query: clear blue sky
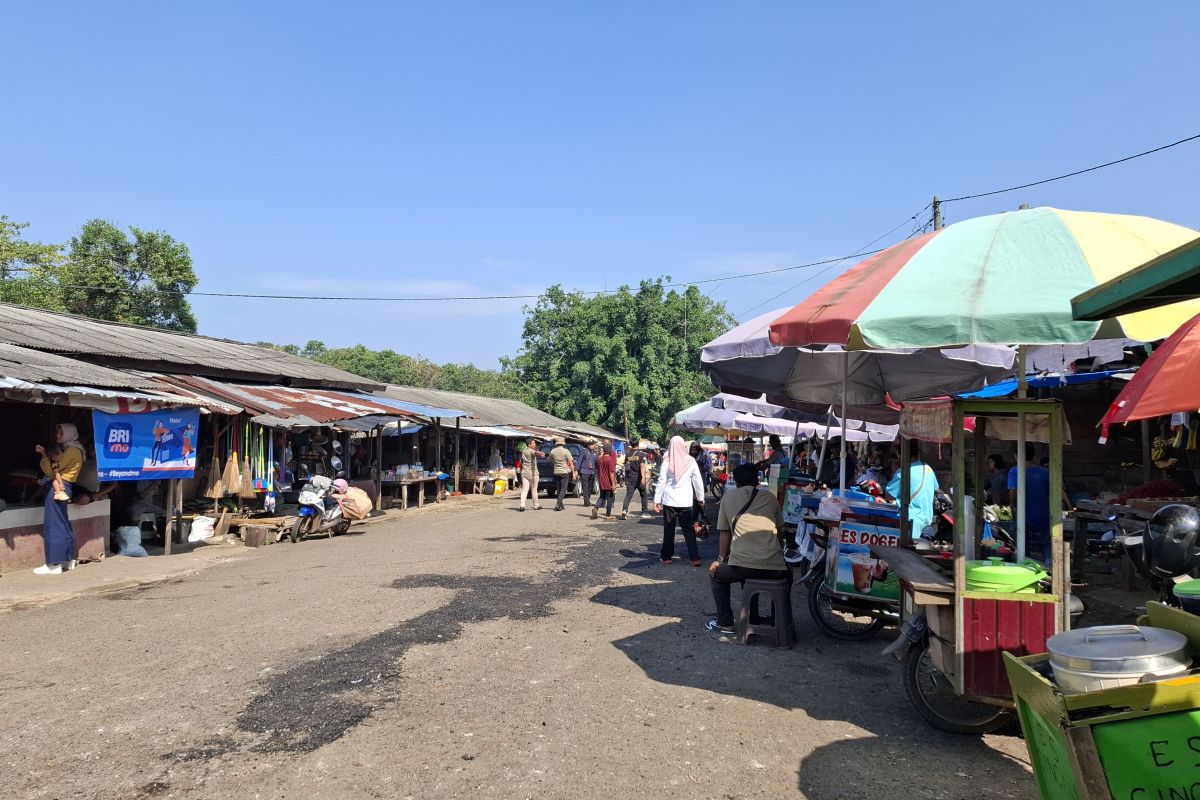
486 147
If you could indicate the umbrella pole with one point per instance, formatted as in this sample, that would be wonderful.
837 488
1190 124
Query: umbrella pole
792 451
845 382
1019 511
1022 384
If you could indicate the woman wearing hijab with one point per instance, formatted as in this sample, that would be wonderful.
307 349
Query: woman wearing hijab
57 534
679 486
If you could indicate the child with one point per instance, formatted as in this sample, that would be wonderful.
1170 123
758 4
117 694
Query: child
62 462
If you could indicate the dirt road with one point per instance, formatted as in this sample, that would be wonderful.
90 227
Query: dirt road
460 652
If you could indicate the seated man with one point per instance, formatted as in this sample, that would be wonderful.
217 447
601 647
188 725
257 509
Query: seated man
749 523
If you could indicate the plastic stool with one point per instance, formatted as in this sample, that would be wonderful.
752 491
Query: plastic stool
779 625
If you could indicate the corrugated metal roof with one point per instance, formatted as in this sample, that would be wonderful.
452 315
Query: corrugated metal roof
105 399
285 406
25 364
149 348
487 410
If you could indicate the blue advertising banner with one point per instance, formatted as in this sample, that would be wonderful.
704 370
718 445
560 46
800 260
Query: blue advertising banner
135 447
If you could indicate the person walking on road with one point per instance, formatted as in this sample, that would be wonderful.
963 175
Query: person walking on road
606 476
564 468
587 473
529 472
678 488
636 479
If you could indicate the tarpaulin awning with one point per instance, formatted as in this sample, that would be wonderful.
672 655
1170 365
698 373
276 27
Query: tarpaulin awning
432 412
495 430
1006 387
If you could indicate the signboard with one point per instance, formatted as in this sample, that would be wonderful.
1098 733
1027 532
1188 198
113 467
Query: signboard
853 570
136 447
1151 757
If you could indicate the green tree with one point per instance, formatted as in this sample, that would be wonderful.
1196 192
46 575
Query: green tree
143 280
597 358
27 268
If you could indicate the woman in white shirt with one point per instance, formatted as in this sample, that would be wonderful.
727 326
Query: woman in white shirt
679 487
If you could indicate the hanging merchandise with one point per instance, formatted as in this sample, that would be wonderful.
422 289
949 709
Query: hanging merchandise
246 489
232 476
214 489
269 499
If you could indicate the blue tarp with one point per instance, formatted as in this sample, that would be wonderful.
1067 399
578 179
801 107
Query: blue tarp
416 408
1006 387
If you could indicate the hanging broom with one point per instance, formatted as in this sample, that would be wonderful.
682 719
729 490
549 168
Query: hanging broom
232 477
246 488
214 488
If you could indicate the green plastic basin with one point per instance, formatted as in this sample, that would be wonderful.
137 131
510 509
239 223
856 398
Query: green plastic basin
997 575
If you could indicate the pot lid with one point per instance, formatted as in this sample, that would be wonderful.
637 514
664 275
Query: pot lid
997 570
1118 648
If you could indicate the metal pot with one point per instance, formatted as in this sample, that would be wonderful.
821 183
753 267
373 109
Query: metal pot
1090 659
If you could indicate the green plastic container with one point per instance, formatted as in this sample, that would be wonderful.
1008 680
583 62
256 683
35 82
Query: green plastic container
997 575
1188 594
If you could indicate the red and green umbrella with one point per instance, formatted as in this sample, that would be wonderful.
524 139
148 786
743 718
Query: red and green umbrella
1166 383
1000 279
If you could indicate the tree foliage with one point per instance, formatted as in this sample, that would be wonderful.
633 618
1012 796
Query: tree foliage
597 358
141 278
388 366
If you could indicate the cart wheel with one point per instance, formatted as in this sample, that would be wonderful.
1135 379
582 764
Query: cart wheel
298 529
835 623
935 700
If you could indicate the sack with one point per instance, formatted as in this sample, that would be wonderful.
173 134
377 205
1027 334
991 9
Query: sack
356 504
128 542
202 528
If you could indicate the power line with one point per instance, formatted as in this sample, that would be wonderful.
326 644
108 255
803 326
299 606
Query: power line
862 251
1076 172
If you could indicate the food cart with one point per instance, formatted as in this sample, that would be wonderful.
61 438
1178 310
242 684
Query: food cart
956 634
851 593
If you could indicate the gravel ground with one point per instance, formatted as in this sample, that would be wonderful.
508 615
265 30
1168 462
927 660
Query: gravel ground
465 651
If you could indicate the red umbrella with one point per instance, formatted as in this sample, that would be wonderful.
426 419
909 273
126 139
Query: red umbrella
1166 383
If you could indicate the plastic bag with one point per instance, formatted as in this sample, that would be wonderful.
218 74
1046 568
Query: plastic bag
831 509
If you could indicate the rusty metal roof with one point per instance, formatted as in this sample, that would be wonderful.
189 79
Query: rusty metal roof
483 410
283 406
118 345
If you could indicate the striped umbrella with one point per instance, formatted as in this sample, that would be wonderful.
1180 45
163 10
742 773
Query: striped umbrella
1000 279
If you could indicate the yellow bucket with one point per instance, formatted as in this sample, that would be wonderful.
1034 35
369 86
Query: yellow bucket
500 487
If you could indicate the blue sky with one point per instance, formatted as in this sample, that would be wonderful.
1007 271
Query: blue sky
496 148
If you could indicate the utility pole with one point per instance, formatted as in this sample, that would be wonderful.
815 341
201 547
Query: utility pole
937 213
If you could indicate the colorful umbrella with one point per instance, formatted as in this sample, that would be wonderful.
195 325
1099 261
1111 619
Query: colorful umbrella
811 378
1000 279
1166 383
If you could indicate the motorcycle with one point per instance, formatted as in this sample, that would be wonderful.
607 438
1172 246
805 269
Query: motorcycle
320 512
1167 550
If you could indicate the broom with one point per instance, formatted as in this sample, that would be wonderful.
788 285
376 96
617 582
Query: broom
231 477
246 487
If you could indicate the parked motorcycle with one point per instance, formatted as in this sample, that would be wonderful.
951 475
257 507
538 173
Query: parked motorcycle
320 512
1168 549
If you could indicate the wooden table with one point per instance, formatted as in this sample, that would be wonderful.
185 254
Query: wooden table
402 490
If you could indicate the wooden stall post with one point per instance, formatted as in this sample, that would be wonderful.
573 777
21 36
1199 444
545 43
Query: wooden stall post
437 460
980 494
957 440
457 451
